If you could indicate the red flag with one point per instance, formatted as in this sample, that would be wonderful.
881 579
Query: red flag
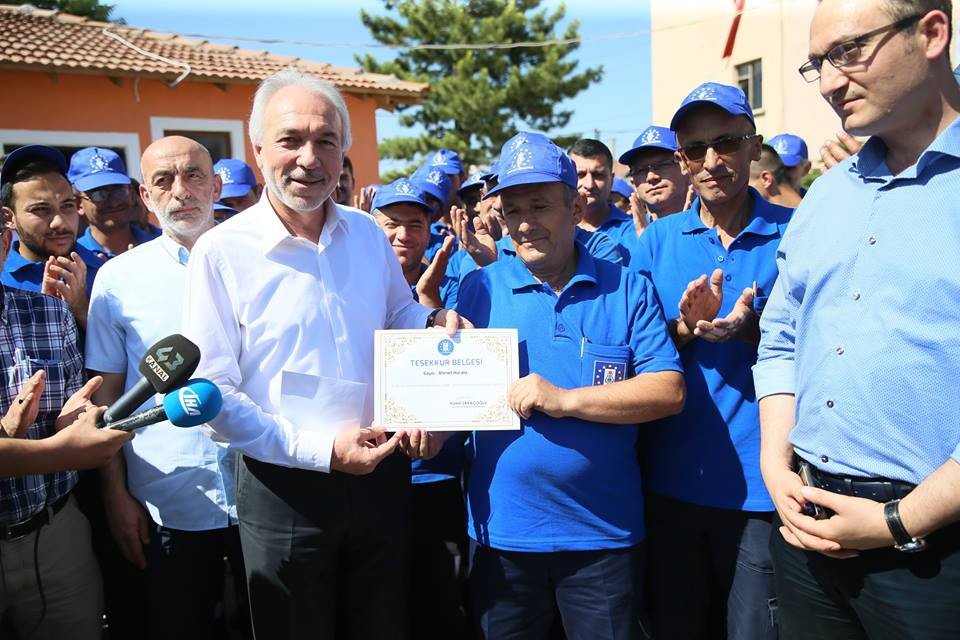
732 37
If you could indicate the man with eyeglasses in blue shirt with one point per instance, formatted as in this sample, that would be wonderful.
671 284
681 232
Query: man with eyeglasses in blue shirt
655 172
708 512
859 357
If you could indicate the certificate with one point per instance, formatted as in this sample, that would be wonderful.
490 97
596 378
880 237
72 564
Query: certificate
425 379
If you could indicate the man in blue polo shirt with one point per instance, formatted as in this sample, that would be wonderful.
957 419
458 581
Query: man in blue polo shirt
793 151
39 204
594 164
708 512
655 171
106 200
557 508
857 369
240 187
439 534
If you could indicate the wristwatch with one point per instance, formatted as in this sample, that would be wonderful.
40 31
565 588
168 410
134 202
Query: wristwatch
432 318
904 541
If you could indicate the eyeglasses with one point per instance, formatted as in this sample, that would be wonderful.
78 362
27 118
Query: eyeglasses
849 52
641 170
723 146
101 195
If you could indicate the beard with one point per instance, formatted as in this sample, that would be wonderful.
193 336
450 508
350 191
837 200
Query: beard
36 243
183 227
300 204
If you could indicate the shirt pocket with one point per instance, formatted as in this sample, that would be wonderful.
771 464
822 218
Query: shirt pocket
603 364
54 389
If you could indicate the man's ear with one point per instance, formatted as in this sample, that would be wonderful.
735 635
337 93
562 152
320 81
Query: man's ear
684 169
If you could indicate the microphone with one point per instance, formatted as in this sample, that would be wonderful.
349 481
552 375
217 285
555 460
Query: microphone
196 402
168 364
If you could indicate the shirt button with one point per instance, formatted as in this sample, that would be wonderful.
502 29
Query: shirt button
728 277
560 328
713 241
824 459
719 258
872 240
830 404
840 350
856 295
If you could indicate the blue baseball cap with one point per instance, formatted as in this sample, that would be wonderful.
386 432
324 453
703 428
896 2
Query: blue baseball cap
730 99
237 177
400 191
447 161
534 163
473 182
492 172
791 149
653 137
22 156
511 145
432 181
94 167
622 187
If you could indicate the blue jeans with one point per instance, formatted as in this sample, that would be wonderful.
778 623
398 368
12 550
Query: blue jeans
709 573
599 594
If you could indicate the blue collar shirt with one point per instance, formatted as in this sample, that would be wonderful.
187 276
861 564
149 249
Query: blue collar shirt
619 227
709 454
140 236
20 273
182 477
862 324
564 484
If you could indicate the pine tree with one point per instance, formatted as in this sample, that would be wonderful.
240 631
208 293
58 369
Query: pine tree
478 98
88 8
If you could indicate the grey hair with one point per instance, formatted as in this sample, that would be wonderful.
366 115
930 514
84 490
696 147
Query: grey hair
291 76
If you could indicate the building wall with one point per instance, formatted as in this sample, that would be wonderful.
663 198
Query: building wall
688 37
86 110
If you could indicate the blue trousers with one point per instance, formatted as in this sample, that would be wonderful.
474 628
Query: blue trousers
709 573
599 594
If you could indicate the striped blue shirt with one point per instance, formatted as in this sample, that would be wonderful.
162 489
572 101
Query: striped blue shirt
862 325
37 332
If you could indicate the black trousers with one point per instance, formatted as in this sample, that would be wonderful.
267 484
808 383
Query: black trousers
440 557
882 594
326 554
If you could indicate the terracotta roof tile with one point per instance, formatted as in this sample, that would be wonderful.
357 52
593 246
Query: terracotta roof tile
49 40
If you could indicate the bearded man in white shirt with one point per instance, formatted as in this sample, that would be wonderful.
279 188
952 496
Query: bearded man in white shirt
283 300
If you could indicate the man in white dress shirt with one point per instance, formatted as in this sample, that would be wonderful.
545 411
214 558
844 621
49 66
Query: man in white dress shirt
169 498
283 300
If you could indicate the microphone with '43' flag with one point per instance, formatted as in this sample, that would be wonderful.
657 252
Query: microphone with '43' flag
191 405
166 365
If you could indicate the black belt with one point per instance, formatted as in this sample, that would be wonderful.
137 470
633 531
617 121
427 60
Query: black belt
879 489
23 528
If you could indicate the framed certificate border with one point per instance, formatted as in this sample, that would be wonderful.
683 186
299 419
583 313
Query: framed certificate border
428 380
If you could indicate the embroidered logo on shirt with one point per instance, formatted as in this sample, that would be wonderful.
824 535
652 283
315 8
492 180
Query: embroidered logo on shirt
608 372
445 347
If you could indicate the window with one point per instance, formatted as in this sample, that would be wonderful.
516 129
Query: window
750 80
222 138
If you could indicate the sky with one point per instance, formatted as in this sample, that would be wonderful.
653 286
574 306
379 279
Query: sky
614 110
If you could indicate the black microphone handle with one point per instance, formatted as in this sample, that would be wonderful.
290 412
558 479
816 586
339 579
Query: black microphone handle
144 418
128 402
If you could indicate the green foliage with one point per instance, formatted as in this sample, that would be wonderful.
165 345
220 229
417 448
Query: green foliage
810 177
87 8
477 98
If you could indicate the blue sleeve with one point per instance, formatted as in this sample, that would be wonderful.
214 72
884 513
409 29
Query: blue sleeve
774 371
653 350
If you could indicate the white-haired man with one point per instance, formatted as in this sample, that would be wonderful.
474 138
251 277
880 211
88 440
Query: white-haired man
283 301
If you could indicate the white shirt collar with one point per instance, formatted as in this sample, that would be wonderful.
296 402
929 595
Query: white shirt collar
174 249
275 232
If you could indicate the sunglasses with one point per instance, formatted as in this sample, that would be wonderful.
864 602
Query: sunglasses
101 195
641 170
723 146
